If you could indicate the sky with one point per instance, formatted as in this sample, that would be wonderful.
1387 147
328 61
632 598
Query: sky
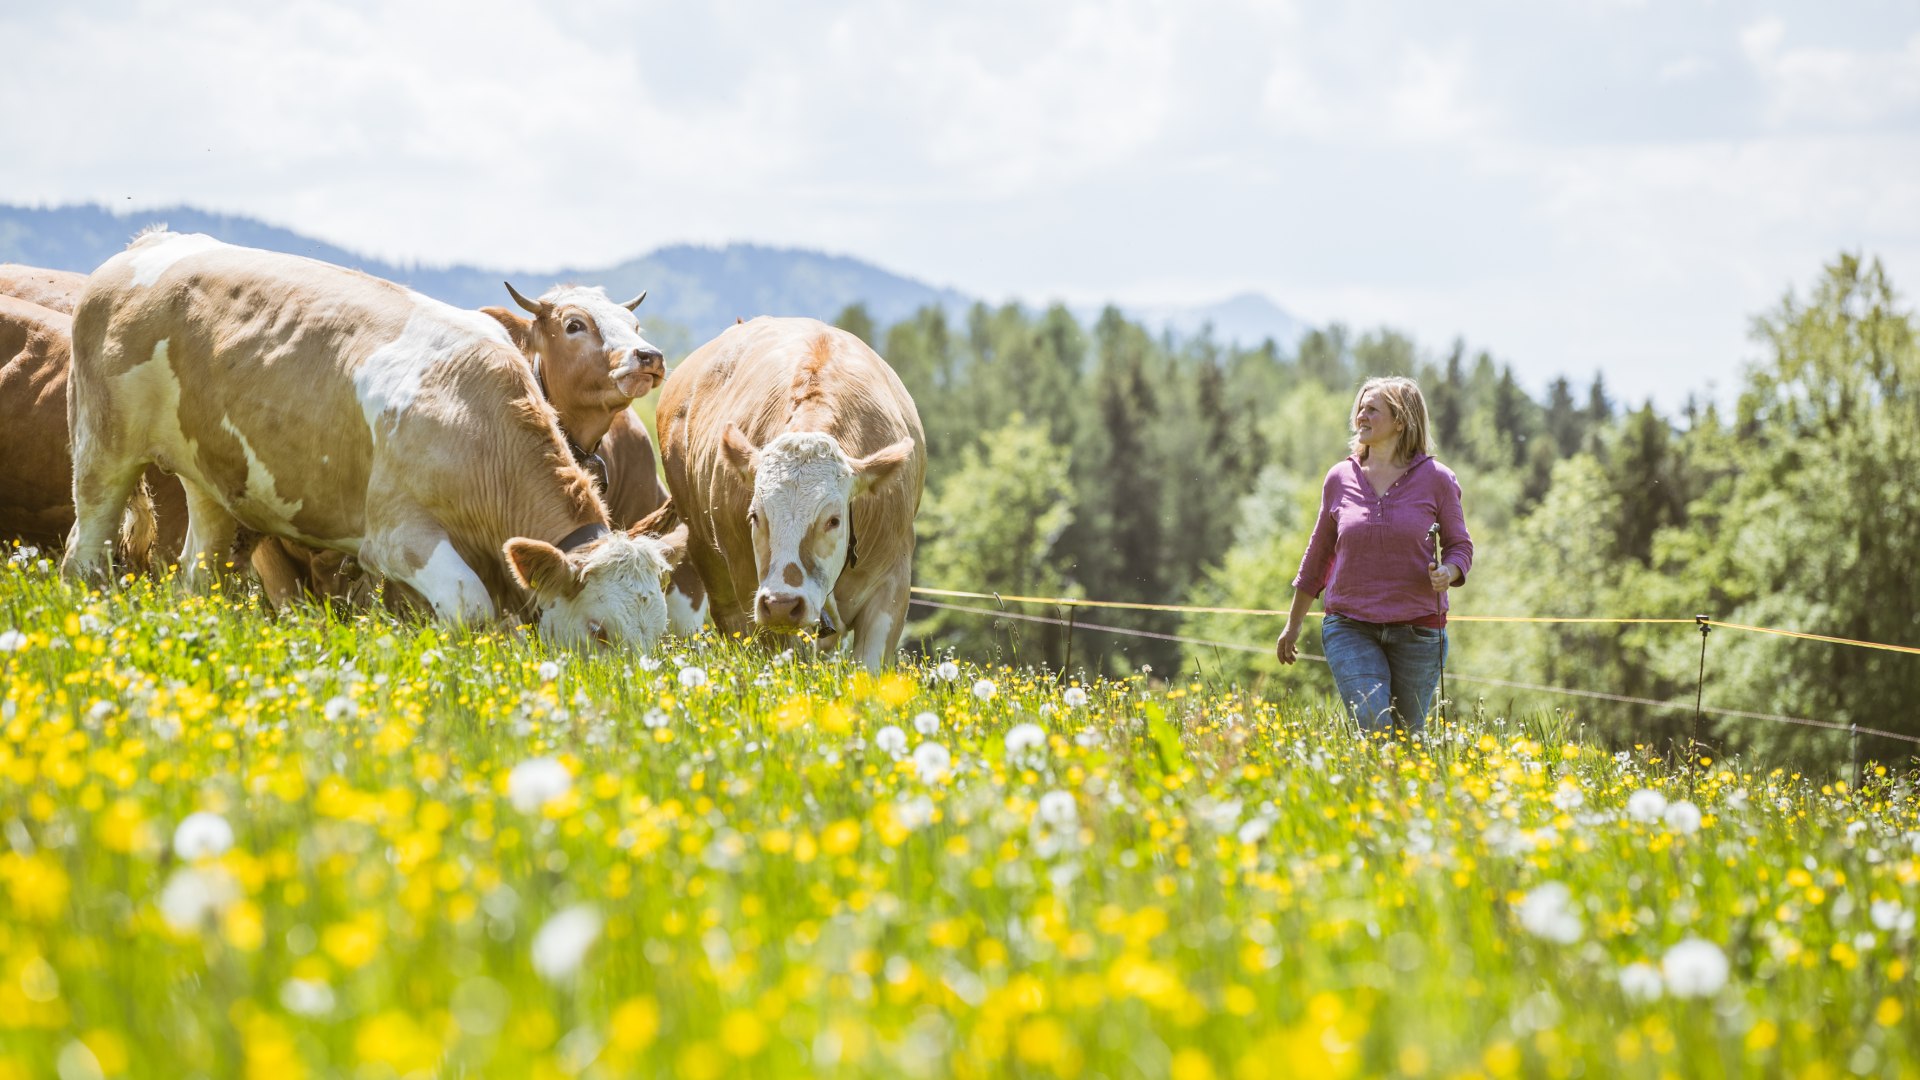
1576 187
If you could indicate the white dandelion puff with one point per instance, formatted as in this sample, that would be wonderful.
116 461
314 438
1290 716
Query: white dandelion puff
947 671
562 943
1058 810
306 997
202 835
693 677
536 782
1074 696
655 719
1682 818
1694 968
12 641
549 670
1890 916
891 740
926 723
1640 981
1548 913
932 762
648 663
339 707
1024 737
193 895
985 689
1646 805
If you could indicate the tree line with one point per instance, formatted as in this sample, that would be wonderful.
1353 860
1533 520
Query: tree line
1110 463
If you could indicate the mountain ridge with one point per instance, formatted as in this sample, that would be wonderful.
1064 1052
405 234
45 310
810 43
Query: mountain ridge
694 291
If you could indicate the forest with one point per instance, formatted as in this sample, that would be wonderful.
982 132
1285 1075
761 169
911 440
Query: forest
1110 464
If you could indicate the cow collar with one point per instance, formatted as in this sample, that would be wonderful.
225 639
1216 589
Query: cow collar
582 536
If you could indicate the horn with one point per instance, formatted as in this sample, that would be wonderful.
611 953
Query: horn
529 305
635 302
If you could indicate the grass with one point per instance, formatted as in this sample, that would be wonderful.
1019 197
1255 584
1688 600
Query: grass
421 853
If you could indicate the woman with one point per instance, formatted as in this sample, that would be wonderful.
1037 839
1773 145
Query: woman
1374 554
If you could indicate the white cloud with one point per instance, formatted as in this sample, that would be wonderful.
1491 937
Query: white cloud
1608 184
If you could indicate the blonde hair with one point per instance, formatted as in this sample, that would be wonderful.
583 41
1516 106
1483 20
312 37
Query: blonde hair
1404 403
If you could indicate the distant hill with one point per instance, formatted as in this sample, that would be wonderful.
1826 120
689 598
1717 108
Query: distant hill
693 292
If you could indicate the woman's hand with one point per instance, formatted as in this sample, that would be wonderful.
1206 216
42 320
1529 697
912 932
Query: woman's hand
1443 576
1288 647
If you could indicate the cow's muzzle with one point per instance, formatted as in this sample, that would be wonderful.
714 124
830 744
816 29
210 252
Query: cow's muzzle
640 371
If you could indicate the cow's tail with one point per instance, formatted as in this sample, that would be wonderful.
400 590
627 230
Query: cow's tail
662 521
139 530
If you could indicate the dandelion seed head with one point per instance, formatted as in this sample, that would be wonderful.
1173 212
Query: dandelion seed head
202 835
1694 968
536 782
562 942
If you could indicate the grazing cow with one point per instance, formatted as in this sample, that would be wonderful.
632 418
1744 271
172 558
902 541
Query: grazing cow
796 459
56 289
36 460
328 407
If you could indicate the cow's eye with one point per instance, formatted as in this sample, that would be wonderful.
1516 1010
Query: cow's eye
833 522
575 326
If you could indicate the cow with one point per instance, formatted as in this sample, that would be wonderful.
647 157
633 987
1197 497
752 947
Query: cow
591 384
55 289
796 459
325 406
36 460
590 381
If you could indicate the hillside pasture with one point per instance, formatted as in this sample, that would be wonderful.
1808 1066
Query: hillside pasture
325 845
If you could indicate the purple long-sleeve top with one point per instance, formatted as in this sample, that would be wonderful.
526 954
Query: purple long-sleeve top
1370 552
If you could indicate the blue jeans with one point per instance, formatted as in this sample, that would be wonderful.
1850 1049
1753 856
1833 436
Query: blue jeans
1384 671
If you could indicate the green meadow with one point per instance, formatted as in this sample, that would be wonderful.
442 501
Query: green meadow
322 845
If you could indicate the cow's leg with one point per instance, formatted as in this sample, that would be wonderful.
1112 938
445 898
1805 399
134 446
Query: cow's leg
423 558
211 532
102 484
282 578
877 629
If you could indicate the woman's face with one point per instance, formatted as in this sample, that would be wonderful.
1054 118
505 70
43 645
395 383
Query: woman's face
1375 425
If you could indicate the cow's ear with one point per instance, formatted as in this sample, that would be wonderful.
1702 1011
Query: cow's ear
519 329
542 568
673 545
739 450
879 465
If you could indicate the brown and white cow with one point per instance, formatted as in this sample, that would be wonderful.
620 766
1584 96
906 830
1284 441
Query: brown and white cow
55 289
591 382
328 407
796 458
36 459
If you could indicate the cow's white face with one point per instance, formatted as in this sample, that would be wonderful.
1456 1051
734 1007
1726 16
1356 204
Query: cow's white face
801 518
611 592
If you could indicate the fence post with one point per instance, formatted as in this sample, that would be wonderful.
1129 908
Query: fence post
1700 685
